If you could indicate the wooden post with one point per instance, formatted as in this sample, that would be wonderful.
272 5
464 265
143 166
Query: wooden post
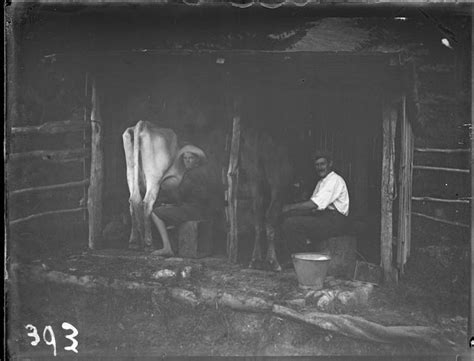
84 140
387 189
233 183
470 328
94 197
405 193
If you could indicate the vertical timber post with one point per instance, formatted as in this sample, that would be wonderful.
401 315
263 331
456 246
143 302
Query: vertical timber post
405 181
233 185
94 197
84 140
470 328
387 189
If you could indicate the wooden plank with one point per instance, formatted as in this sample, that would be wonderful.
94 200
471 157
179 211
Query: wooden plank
94 196
83 182
387 189
405 187
445 221
438 150
50 128
38 215
233 182
441 200
443 169
67 155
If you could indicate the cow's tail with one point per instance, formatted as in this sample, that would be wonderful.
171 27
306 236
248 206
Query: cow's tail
138 211
136 154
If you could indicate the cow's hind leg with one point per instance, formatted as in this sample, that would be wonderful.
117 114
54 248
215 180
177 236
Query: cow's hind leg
134 240
148 202
271 224
155 163
257 197
278 172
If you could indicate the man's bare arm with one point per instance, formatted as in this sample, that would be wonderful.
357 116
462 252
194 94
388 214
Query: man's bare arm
301 206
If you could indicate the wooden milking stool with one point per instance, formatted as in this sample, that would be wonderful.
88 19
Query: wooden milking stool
342 250
192 239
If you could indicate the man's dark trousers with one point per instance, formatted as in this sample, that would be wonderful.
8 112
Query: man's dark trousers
304 233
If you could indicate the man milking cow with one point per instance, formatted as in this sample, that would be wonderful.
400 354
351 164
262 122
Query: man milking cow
301 225
306 224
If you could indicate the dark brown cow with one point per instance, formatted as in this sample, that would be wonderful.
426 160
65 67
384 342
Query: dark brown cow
268 166
153 162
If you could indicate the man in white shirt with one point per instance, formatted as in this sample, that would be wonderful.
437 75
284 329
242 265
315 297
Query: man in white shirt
324 215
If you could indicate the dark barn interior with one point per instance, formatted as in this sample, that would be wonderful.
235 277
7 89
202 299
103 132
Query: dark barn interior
308 102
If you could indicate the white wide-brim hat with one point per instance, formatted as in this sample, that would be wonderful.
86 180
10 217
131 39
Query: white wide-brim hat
189 148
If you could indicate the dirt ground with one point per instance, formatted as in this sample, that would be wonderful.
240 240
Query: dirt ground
118 322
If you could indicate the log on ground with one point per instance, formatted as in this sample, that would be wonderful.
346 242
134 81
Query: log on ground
360 328
40 274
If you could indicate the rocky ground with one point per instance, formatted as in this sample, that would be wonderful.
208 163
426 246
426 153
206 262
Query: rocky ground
126 303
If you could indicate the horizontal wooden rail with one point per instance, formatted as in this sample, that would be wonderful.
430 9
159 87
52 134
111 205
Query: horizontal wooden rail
437 150
426 167
83 182
38 215
50 128
441 200
440 220
52 155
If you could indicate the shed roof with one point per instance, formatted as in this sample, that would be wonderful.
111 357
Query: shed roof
91 30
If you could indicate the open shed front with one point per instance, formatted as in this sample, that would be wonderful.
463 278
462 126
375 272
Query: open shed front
312 80
306 100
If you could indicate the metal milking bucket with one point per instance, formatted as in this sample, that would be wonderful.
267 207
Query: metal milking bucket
311 269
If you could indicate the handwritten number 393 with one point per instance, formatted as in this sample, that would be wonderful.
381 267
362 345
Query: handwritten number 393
51 340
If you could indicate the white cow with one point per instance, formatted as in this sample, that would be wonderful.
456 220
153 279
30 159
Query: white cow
153 162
